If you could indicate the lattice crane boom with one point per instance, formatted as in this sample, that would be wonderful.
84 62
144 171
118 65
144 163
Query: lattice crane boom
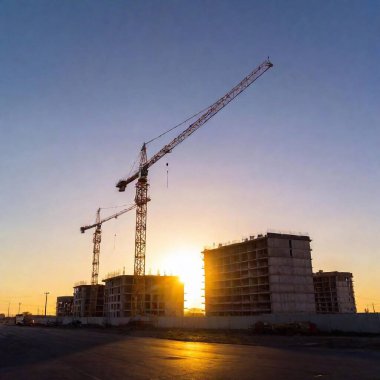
206 116
114 216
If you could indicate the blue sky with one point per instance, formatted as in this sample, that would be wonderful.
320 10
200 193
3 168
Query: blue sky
84 83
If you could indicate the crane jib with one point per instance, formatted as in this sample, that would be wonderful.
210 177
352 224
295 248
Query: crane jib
99 223
210 112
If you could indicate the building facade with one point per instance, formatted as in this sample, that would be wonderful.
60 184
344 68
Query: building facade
266 274
64 306
88 301
334 292
164 296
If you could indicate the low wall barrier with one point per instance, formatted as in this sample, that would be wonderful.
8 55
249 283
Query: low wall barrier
348 323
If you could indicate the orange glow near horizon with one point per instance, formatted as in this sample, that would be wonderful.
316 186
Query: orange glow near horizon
188 265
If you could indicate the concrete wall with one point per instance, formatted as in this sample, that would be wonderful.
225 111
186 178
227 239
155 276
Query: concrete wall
345 294
357 323
68 320
290 275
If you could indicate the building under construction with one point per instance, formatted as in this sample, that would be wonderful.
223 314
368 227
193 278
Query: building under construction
164 296
266 274
64 306
88 300
334 292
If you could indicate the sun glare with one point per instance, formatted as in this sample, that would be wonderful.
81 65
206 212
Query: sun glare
188 265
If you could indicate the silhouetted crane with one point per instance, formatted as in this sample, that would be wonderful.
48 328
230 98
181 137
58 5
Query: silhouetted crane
141 175
98 238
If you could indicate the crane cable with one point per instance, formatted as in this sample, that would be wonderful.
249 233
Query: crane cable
178 125
166 132
107 208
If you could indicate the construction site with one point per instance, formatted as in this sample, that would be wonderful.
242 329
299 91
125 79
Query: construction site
265 275
190 190
139 295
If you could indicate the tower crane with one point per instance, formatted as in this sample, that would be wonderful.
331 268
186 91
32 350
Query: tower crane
98 238
141 175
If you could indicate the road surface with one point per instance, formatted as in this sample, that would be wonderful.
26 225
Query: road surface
62 353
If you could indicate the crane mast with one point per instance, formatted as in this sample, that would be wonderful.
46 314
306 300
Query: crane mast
141 200
141 175
97 238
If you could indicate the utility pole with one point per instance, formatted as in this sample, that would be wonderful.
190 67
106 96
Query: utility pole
46 294
19 305
9 305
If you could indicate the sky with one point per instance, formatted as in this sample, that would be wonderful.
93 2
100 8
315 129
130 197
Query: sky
84 83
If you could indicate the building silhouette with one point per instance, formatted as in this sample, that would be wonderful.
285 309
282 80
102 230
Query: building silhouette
263 274
88 301
164 296
334 292
64 306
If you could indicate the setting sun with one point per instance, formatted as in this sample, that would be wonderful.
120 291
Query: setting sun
188 265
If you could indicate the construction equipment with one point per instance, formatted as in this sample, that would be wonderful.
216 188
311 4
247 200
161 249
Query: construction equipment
141 175
98 238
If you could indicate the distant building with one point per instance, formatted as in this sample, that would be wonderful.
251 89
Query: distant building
164 296
64 306
334 292
266 274
88 301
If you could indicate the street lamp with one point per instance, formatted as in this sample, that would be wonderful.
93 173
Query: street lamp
46 294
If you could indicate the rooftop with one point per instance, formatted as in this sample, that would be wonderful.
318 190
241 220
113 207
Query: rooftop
269 234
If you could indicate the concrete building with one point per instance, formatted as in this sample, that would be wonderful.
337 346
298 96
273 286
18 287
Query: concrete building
334 292
88 301
164 296
266 274
64 306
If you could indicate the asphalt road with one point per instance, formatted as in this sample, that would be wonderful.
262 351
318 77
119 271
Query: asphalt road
58 353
